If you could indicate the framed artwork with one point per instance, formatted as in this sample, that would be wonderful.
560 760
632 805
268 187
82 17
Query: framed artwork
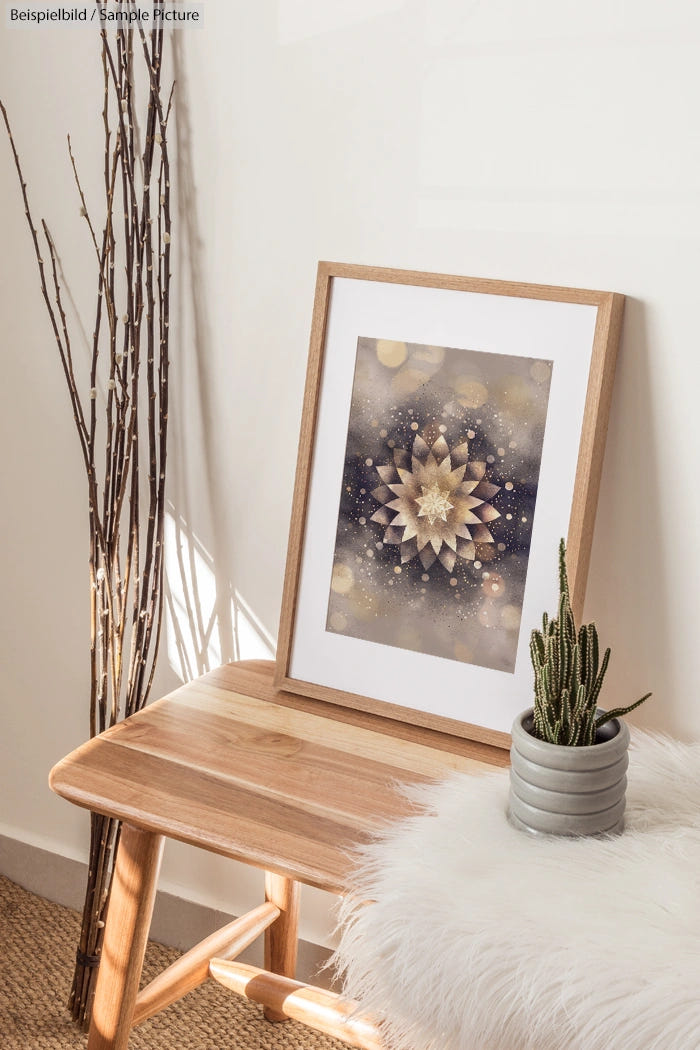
453 430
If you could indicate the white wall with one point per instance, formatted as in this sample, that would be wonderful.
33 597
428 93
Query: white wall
550 142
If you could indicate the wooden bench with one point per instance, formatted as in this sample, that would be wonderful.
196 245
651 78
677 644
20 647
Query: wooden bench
282 782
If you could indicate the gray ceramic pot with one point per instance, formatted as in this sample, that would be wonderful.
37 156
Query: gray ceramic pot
558 790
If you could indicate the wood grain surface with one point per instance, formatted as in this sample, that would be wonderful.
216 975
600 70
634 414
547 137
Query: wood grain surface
192 969
320 1009
126 934
230 764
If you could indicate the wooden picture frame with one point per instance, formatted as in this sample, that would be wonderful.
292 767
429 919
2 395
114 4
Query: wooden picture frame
526 360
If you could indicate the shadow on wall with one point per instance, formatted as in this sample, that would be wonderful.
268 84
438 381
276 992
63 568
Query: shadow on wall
628 588
207 621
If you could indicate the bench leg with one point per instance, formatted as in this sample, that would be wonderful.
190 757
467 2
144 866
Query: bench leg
281 937
126 933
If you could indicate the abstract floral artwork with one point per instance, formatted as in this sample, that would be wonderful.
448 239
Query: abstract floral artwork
438 498
452 432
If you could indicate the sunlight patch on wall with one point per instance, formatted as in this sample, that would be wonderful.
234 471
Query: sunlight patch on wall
254 640
207 621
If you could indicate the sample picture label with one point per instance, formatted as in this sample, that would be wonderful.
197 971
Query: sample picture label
438 499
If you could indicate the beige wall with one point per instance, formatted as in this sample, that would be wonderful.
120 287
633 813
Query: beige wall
550 141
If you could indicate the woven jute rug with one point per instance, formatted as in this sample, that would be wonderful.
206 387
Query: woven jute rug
37 948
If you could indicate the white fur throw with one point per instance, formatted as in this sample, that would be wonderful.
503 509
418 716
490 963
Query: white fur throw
481 937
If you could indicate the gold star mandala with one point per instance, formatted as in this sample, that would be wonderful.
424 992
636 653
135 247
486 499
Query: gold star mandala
435 503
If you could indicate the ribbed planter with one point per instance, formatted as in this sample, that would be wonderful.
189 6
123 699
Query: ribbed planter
557 790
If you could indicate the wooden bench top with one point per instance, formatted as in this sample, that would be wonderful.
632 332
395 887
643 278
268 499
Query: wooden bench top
282 782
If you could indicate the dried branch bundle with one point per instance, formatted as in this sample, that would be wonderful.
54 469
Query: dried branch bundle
120 410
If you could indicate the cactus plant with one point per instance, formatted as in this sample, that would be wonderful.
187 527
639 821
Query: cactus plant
569 675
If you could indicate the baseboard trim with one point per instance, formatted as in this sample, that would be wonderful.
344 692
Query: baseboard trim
177 922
